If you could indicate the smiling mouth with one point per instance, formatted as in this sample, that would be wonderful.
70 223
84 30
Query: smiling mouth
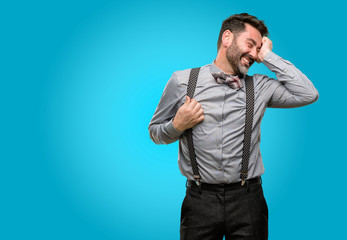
247 61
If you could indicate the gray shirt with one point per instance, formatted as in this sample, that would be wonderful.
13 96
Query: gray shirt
218 139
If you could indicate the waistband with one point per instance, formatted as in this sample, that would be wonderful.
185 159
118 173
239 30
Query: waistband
226 186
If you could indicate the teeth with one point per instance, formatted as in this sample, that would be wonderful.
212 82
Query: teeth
246 60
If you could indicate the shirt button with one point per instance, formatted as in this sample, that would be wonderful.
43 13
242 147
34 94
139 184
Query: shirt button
219 125
269 60
218 147
285 70
220 169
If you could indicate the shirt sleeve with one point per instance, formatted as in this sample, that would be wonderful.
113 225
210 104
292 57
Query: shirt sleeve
293 88
160 128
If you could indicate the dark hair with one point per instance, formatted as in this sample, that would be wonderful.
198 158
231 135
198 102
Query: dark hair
236 24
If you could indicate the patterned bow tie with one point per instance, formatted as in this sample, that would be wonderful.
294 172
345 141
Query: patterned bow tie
232 81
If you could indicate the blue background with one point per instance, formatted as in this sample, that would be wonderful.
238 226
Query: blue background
80 82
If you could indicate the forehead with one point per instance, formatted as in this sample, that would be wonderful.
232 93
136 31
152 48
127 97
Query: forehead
251 33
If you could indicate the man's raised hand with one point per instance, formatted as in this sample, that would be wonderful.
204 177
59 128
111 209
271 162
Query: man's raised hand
265 49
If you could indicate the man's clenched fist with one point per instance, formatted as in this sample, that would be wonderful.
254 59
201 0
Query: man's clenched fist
188 115
265 49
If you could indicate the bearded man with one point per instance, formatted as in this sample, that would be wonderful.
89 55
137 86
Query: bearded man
218 128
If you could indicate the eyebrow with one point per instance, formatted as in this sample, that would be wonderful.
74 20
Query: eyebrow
252 40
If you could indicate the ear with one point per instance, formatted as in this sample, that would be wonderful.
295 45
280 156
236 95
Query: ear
227 38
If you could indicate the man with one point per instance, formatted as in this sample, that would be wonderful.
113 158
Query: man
223 199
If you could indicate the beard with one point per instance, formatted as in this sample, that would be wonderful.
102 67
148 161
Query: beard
234 55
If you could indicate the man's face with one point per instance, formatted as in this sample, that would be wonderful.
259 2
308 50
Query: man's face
244 49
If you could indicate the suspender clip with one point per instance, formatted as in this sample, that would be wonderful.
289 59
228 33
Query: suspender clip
197 181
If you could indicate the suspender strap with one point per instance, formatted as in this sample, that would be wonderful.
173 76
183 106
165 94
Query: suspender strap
193 78
248 128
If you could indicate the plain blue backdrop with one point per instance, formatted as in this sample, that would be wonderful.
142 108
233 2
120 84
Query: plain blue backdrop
80 81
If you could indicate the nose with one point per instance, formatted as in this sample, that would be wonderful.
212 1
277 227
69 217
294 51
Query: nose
254 53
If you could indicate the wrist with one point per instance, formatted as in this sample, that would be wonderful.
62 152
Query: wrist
262 55
177 126
172 132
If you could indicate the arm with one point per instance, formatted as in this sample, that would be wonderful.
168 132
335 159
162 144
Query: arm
293 88
161 129
170 120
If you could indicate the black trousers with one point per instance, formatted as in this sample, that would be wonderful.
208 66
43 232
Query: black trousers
238 213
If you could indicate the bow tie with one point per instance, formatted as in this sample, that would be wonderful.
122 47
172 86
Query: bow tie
232 81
